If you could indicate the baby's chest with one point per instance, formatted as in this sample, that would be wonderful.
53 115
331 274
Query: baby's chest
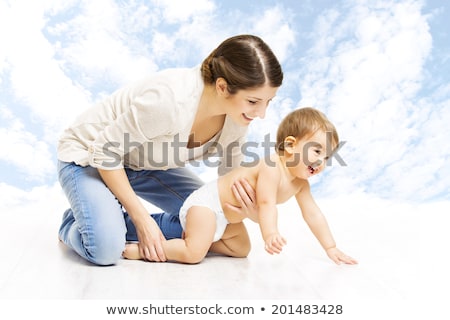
286 191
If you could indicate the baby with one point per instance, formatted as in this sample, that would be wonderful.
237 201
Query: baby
305 140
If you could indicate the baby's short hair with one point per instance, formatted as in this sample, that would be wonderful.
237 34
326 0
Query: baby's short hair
302 123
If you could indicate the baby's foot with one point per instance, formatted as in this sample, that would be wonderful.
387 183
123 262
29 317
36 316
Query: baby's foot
131 251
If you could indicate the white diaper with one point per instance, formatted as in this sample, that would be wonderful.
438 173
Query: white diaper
206 196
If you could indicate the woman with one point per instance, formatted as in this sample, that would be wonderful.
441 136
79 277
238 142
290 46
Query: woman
136 142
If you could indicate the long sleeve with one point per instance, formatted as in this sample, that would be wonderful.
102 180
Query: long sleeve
142 122
135 127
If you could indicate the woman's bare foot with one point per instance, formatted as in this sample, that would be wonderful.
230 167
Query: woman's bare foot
131 251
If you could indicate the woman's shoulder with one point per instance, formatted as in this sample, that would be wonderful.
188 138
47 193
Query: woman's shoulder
171 94
177 81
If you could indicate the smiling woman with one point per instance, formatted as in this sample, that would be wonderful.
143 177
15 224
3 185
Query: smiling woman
123 148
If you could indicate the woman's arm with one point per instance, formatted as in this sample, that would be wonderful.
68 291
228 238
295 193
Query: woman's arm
148 232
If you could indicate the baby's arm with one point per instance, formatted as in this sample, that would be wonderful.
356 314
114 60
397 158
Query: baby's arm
319 226
266 197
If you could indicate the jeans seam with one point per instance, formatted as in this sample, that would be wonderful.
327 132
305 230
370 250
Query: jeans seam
87 233
165 186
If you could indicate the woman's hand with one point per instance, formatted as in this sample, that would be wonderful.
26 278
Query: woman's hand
150 239
246 196
149 235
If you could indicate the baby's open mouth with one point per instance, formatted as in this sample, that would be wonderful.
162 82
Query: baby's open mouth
311 169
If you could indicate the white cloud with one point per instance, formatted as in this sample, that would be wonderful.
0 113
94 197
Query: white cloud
35 77
205 25
49 199
101 42
194 40
274 26
23 149
365 71
179 11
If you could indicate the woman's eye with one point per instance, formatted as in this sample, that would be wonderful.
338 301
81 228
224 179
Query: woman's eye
251 101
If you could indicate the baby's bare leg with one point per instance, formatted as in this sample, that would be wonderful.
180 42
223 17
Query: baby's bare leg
131 252
235 241
198 236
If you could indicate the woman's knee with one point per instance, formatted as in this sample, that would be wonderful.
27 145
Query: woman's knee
106 250
105 242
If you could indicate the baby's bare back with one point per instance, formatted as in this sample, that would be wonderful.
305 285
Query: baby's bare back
286 188
225 183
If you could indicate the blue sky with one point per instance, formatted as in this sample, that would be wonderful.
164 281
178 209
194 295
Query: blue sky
378 69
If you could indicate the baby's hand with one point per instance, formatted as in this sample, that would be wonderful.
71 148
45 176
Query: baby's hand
338 256
274 243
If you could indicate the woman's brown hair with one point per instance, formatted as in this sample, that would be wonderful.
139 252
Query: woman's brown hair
244 61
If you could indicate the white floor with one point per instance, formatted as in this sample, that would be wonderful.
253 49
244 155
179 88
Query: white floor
398 248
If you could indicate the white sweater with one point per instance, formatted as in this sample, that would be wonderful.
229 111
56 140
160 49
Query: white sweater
147 125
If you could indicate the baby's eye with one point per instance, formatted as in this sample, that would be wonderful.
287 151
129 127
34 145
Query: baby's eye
318 152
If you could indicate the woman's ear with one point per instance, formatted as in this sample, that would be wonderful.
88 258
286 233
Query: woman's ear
222 87
289 143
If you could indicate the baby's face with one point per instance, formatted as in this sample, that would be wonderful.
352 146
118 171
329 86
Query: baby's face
310 155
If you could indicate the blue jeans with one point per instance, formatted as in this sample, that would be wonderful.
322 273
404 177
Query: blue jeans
96 226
